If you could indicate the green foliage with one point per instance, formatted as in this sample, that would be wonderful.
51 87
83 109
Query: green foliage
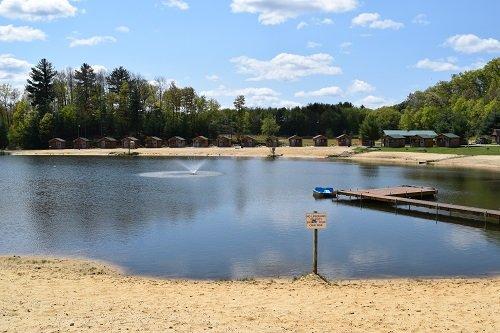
46 128
467 105
117 78
65 103
40 86
370 128
269 126
24 129
3 135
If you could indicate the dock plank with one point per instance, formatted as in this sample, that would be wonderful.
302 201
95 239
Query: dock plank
406 194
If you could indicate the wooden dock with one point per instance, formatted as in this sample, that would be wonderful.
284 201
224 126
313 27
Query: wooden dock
405 195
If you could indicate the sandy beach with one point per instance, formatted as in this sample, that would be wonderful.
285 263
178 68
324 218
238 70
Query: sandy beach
486 162
48 295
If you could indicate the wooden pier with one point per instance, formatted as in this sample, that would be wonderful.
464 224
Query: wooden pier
405 195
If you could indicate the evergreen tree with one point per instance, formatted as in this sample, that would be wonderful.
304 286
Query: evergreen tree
370 128
85 81
40 86
117 78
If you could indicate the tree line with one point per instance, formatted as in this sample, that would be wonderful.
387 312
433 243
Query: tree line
92 104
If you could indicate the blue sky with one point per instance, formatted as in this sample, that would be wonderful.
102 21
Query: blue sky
276 52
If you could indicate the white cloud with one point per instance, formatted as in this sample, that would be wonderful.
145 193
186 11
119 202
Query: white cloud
323 92
345 47
326 21
273 12
470 43
179 4
91 41
302 25
254 96
374 102
421 19
373 20
212 77
12 70
10 33
437 65
359 86
123 29
99 68
286 67
313 45
36 10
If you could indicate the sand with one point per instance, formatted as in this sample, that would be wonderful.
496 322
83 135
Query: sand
487 162
48 295
290 152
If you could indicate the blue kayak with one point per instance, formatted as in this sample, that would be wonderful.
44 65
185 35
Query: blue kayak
324 192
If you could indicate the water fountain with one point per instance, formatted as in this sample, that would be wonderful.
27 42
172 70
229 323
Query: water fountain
192 170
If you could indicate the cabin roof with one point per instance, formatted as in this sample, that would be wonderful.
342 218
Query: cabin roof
57 139
81 138
177 138
342 136
410 133
395 136
319 136
294 137
224 136
200 137
424 136
131 138
449 135
107 138
154 138
249 137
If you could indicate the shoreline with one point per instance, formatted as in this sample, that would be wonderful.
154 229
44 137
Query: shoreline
475 162
44 294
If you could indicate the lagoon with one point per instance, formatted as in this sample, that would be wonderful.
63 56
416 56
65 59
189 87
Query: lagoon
239 218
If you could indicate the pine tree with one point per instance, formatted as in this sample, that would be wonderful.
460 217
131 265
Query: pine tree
85 79
40 86
117 78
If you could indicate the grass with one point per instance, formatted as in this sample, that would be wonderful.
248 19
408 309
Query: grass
472 150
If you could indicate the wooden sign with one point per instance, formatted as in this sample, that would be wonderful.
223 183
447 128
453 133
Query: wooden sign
316 221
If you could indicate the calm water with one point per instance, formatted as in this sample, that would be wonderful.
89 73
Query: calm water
243 218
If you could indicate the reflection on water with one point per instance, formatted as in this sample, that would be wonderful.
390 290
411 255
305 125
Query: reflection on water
238 217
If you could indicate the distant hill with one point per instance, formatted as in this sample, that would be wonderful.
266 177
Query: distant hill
468 104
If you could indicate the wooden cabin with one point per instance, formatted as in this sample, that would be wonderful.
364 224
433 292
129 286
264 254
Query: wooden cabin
248 141
320 141
344 140
449 140
408 135
495 136
201 142
81 143
367 142
107 142
422 140
295 141
224 141
176 142
272 141
153 142
57 143
394 141
130 142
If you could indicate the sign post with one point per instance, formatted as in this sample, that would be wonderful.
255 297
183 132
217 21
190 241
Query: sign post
315 221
